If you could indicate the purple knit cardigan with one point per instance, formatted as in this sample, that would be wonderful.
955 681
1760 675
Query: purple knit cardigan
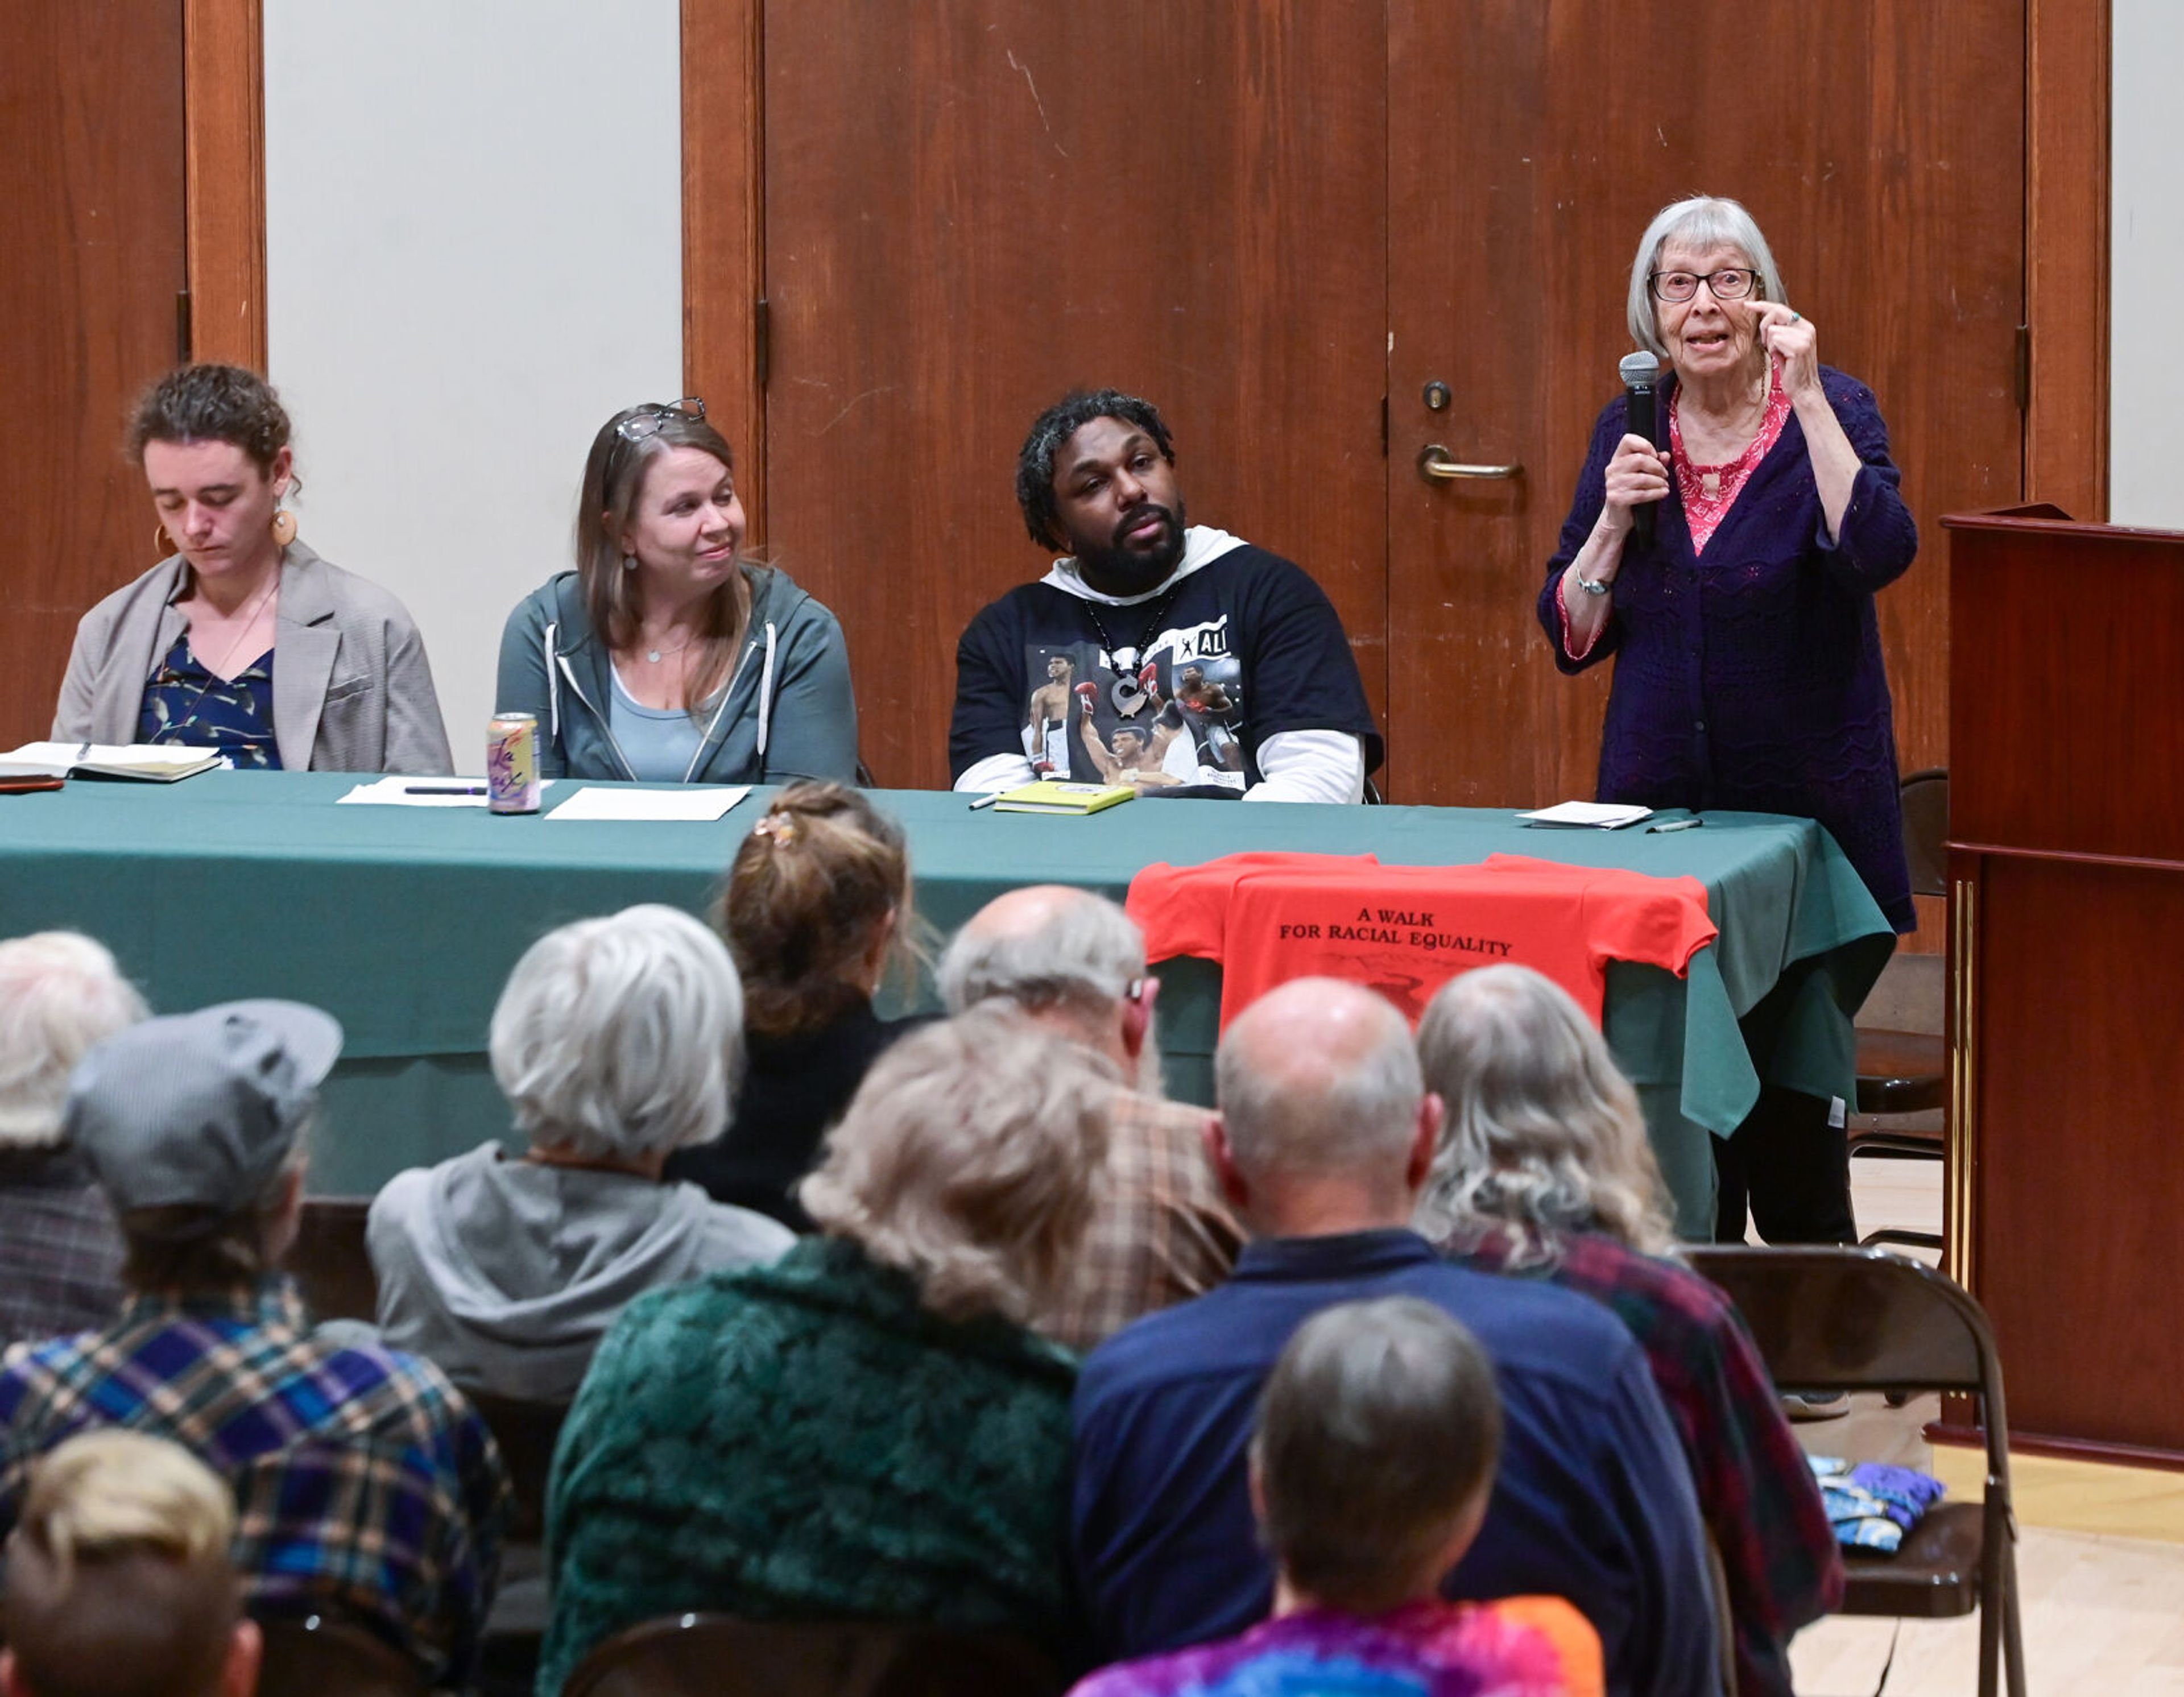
1751 679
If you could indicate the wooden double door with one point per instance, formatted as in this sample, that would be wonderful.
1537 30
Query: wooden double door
1283 221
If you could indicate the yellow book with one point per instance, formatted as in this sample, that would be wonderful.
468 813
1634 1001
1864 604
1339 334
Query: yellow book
1049 796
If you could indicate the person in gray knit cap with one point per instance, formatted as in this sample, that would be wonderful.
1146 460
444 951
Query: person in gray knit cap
364 1485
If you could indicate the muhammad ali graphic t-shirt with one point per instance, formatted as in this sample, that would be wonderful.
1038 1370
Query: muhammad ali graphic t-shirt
1173 689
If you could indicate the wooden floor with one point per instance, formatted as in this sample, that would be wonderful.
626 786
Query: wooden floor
2100 1555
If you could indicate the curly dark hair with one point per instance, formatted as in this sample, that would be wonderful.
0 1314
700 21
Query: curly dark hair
1042 514
211 402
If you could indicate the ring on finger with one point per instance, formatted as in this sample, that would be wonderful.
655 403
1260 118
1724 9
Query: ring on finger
1796 317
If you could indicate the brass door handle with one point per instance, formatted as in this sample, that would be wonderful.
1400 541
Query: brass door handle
1435 465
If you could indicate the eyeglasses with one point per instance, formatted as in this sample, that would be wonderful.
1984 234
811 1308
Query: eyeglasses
651 419
1730 283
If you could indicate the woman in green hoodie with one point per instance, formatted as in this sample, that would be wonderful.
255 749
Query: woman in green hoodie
665 656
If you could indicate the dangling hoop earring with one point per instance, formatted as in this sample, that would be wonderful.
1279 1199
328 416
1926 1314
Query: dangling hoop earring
284 527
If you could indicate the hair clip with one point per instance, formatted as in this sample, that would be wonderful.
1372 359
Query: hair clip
776 827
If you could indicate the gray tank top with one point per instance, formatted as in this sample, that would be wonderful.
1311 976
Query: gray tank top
659 742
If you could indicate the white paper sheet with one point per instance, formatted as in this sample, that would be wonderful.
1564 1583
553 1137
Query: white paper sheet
396 792
1588 815
691 805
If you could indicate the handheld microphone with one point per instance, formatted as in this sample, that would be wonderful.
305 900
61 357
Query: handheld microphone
1638 371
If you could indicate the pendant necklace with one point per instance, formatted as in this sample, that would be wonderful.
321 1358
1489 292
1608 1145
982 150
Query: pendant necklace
1128 693
654 656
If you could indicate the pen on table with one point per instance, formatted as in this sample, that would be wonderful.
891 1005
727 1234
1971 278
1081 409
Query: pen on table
444 789
986 800
1690 824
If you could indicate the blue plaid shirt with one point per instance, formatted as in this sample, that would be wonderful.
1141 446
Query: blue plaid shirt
364 1485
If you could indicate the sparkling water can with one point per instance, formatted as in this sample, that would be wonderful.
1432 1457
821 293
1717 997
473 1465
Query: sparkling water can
511 763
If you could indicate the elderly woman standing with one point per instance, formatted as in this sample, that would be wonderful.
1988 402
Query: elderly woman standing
1543 1170
242 641
1748 672
615 1041
866 1429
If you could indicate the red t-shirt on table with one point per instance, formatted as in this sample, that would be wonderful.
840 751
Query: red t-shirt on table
1406 930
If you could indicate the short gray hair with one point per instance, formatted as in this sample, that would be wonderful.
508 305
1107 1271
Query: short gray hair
60 993
1702 221
1543 1131
1378 1431
622 1036
1299 1092
969 1159
1088 951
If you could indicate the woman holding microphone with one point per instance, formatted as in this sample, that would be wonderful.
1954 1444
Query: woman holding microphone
1749 671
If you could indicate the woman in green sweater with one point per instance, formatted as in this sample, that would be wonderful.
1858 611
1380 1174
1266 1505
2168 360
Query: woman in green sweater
866 1429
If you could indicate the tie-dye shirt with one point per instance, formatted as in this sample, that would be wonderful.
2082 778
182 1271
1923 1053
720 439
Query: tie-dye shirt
1519 1647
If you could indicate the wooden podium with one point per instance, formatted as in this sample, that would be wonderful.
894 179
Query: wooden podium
2065 1207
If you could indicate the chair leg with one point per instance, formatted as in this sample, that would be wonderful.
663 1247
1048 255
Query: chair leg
2012 1624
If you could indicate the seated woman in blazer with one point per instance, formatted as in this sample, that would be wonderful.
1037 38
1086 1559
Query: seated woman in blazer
243 640
664 656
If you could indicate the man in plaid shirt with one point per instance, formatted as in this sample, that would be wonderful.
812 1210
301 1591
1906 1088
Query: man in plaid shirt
60 1255
1161 1232
364 1486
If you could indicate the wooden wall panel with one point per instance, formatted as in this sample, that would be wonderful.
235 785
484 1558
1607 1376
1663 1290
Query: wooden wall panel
2066 457
91 254
970 208
723 234
225 44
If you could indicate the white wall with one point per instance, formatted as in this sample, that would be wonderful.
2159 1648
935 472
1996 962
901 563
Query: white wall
2146 357
473 257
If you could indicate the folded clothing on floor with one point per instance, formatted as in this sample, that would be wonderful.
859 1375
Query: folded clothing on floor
1870 1506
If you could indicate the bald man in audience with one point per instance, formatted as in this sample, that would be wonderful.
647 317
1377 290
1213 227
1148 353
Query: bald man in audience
117 1578
1075 962
1325 1135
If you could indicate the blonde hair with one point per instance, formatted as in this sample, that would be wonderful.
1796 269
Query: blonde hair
60 993
108 1493
808 892
968 1159
1542 1131
119 1580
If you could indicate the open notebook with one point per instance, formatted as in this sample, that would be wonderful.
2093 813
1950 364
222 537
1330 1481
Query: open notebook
150 763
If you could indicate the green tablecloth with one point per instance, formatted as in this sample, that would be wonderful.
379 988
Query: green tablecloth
403 922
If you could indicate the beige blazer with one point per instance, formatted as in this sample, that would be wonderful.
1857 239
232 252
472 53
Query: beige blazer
352 689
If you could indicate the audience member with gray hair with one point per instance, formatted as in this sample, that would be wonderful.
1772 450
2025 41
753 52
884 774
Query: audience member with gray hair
60 1255
364 1485
866 1429
1543 1170
1371 1469
1075 962
616 1042
117 1578
1325 1136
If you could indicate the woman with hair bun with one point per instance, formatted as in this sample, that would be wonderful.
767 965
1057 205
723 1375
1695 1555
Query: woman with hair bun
665 656
818 907
241 640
